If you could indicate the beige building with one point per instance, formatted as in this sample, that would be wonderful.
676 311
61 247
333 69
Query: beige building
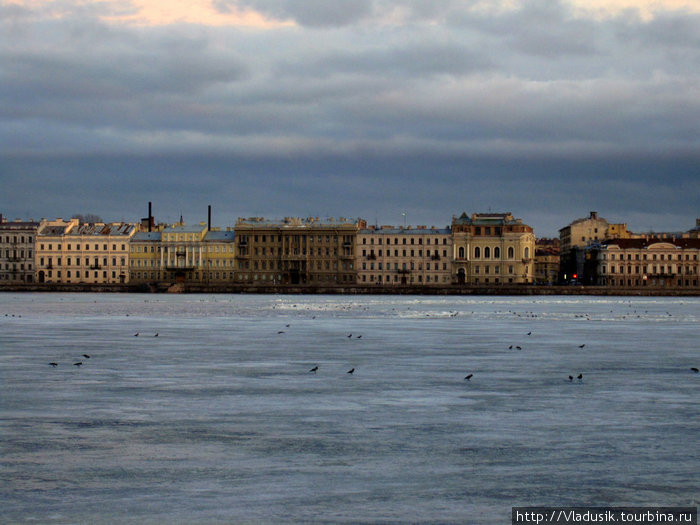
17 251
653 262
492 248
71 252
392 256
296 251
589 230
183 253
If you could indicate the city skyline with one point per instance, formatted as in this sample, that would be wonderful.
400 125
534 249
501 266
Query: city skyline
372 108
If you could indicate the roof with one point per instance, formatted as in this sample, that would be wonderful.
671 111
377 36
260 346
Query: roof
297 222
627 244
486 219
186 228
219 236
405 231
146 237
53 230
19 225
100 229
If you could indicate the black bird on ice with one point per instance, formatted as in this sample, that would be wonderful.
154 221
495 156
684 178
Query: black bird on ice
314 369
86 356
468 377
694 369
351 371
78 364
54 364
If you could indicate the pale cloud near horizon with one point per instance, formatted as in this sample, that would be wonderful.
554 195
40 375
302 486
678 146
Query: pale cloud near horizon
270 14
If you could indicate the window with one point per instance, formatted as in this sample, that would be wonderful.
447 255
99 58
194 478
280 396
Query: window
477 253
496 253
511 252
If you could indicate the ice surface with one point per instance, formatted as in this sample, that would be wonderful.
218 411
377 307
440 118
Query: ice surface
218 419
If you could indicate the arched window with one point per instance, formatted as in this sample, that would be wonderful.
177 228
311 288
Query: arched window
496 253
511 252
477 252
461 252
527 253
487 252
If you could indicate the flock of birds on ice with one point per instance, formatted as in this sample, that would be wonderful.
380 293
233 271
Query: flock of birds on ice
468 377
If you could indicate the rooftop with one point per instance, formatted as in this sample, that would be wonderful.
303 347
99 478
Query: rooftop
648 242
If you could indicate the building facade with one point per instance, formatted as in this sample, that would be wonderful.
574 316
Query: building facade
17 251
547 261
390 256
94 253
296 251
492 248
589 230
183 253
651 262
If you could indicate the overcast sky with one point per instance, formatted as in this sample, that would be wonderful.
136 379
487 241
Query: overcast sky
356 108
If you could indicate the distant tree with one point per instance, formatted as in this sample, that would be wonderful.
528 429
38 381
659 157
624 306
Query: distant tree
87 218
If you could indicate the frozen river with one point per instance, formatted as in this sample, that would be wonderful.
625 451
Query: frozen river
218 419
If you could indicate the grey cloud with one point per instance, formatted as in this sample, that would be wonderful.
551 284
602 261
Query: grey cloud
444 108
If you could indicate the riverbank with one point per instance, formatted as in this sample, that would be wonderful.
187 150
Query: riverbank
352 290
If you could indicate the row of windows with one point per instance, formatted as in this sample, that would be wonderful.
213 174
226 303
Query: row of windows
190 275
396 279
280 265
668 257
653 269
14 254
404 253
405 266
69 261
14 266
77 247
243 239
153 263
157 249
649 282
16 239
277 278
403 240
488 251
77 274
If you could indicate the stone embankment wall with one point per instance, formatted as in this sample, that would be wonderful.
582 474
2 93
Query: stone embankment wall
353 290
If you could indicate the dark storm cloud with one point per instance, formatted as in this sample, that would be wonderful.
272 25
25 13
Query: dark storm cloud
546 193
363 108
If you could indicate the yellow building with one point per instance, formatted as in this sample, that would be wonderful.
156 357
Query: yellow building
94 253
492 248
180 253
296 251
590 230
389 256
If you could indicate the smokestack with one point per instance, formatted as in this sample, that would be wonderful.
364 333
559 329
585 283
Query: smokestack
209 220
150 216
